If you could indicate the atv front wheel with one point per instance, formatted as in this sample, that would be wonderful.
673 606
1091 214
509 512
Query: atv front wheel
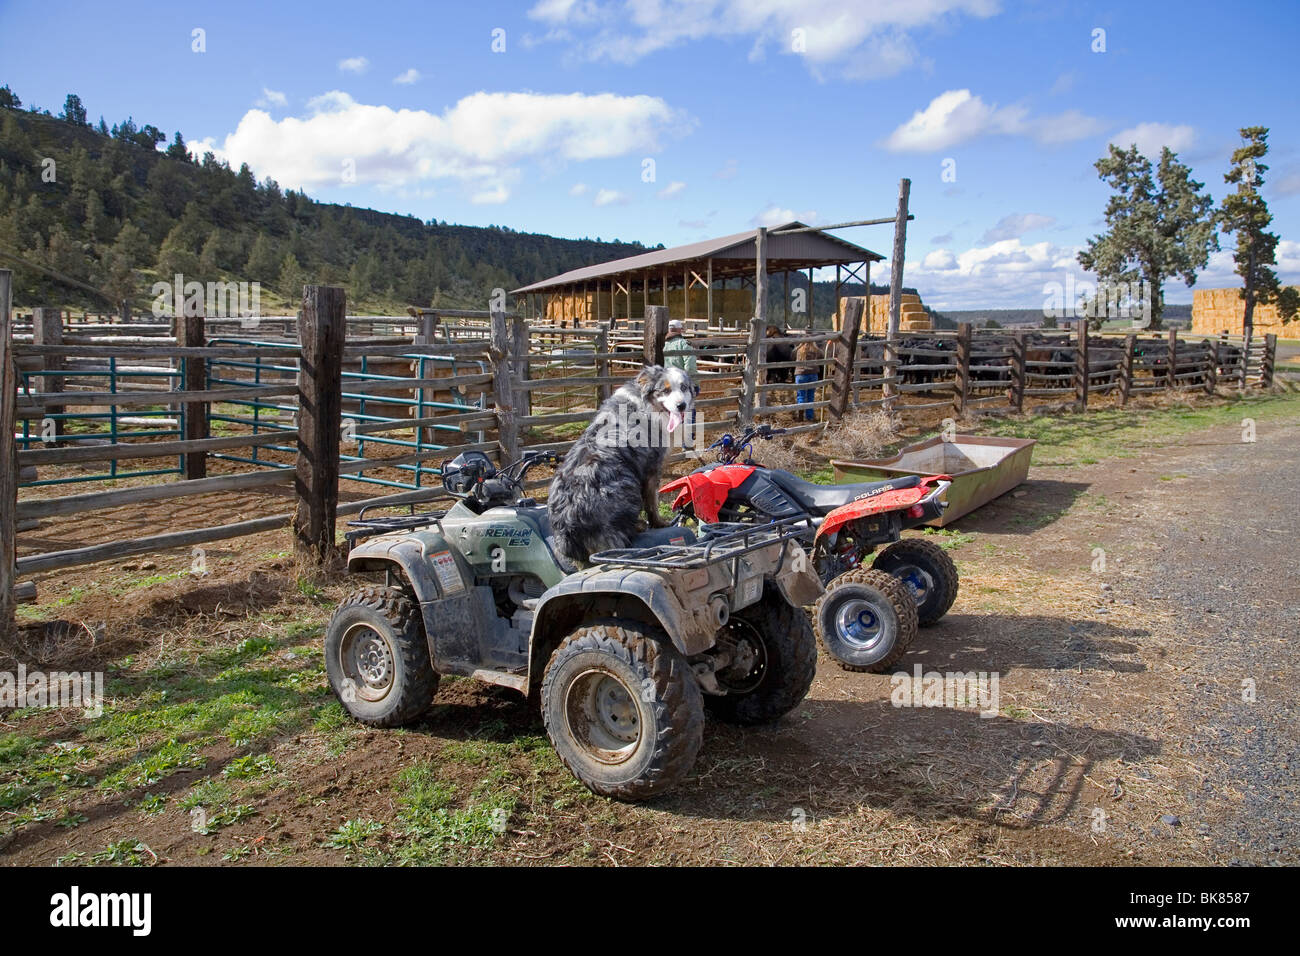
622 709
865 619
928 573
377 659
774 660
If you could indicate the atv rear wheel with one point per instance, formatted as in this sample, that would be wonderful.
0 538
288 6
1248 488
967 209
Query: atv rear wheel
377 659
928 573
622 709
774 662
865 619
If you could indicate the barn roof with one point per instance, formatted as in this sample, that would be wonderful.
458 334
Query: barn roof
731 255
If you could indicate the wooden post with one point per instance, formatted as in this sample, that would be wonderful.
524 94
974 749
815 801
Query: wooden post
708 299
519 365
47 329
846 350
8 463
1126 368
1270 358
654 330
322 330
896 263
1081 366
503 392
1245 355
749 377
1212 373
603 390
1019 348
962 388
1171 382
190 334
760 304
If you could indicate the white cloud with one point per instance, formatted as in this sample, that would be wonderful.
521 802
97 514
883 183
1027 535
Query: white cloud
490 196
354 64
481 140
1003 274
958 116
777 216
609 197
860 38
406 79
272 98
577 189
1150 137
671 190
1016 225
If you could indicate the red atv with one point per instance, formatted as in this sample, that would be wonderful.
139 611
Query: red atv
869 614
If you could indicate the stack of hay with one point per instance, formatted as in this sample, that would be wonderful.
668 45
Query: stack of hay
1223 310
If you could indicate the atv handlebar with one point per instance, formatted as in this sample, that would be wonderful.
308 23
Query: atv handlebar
730 448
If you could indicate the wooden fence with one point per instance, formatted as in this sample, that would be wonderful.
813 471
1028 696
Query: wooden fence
321 408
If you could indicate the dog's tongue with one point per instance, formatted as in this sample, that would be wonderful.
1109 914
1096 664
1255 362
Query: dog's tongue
674 419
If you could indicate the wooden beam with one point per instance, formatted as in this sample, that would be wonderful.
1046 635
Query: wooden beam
896 263
322 329
47 329
503 389
190 334
8 463
654 331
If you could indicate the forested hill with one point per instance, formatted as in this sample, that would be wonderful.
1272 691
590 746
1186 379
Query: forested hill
114 211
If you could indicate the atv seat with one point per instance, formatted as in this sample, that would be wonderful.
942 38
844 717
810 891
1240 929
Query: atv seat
656 537
821 499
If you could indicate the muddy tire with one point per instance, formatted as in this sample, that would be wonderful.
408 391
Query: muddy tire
777 667
865 620
377 659
622 709
928 573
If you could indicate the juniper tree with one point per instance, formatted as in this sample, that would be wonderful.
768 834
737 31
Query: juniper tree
1245 213
1159 224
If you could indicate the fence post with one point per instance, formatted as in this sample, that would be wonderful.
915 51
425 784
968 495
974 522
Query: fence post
520 365
1126 368
1212 373
962 385
846 354
47 329
1019 348
604 390
1270 357
1171 381
749 377
503 391
8 462
1245 357
190 334
654 330
322 332
1081 365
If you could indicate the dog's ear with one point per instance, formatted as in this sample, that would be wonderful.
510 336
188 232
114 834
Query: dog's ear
647 379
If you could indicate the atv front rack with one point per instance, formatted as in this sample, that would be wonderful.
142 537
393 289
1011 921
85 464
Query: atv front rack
721 541
368 527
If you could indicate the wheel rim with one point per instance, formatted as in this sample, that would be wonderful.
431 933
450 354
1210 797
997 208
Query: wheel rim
366 658
858 624
749 659
917 579
602 716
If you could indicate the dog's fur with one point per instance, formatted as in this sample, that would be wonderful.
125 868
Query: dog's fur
612 472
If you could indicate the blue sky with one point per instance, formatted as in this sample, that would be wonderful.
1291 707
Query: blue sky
751 113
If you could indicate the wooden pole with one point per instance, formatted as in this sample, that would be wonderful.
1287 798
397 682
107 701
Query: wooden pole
1270 358
604 390
1172 352
8 462
322 330
190 334
749 377
963 368
519 364
503 391
1245 355
760 296
1212 372
654 331
1019 346
1126 368
47 329
1081 365
896 263
708 298
846 350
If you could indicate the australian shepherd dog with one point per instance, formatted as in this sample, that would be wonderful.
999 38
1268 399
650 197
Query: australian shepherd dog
612 473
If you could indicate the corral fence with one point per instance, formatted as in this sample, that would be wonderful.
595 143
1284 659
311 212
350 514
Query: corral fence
290 423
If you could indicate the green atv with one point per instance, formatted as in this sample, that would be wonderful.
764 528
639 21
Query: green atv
625 654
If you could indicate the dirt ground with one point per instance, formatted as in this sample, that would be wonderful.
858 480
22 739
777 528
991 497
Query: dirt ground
1138 611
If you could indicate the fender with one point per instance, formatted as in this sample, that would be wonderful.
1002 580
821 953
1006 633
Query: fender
897 499
707 490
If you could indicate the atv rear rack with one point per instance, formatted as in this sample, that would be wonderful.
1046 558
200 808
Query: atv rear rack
722 541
